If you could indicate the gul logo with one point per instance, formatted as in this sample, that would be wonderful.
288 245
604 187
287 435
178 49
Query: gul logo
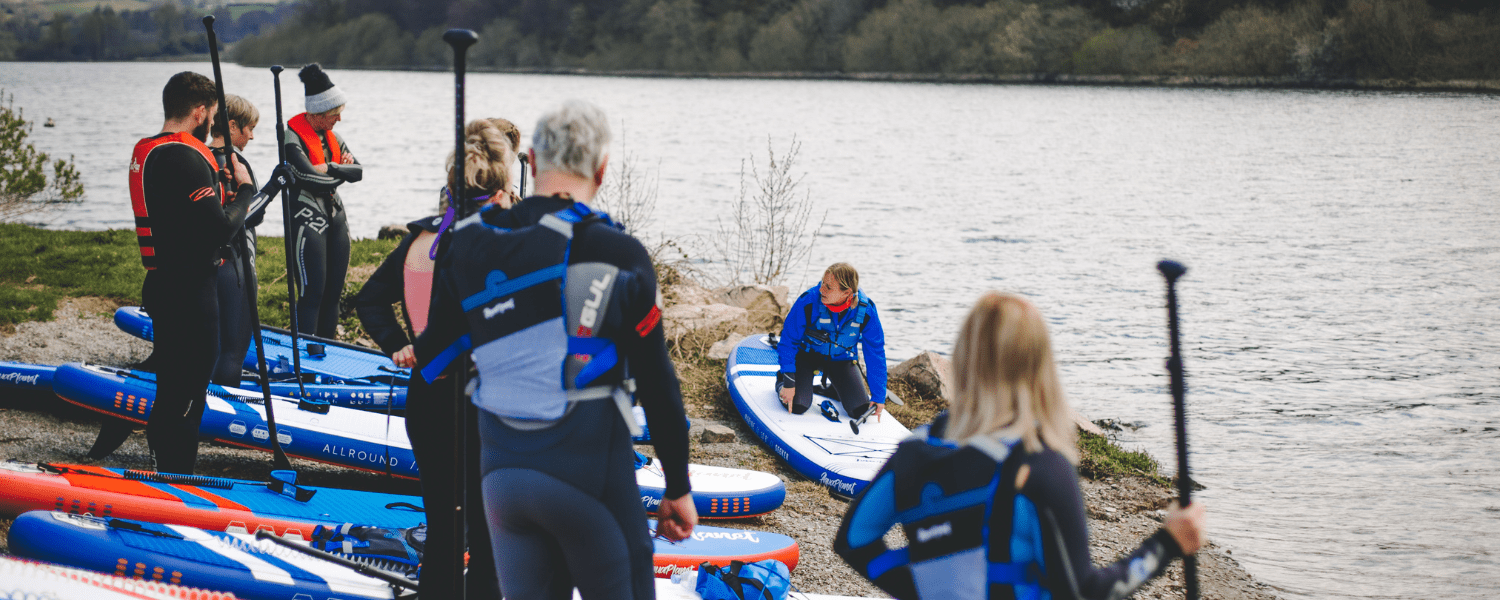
836 483
726 535
936 531
19 378
590 313
500 308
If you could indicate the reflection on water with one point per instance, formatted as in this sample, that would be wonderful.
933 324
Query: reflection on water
1338 315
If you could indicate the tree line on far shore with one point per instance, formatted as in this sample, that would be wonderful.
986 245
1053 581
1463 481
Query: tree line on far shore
167 29
1311 40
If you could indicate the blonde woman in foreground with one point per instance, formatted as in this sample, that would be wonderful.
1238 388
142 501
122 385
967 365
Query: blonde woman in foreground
988 493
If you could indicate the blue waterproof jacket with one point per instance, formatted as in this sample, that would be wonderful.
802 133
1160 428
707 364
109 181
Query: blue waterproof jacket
858 324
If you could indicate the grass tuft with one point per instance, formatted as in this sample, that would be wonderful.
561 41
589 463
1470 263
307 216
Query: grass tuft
1102 458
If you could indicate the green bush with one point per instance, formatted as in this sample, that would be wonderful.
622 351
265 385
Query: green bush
1132 51
25 189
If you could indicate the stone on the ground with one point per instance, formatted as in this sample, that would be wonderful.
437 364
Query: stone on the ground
721 349
767 304
929 372
683 318
687 292
392 232
714 433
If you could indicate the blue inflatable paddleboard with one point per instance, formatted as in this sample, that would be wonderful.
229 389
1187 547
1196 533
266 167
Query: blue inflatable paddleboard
331 359
828 452
369 441
25 375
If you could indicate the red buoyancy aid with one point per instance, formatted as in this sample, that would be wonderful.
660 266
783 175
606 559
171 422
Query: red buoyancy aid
143 150
304 130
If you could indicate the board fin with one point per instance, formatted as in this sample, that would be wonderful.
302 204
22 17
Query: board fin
112 434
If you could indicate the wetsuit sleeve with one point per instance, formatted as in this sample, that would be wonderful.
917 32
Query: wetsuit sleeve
792 330
1053 486
190 222
352 172
657 387
375 302
308 178
873 340
860 539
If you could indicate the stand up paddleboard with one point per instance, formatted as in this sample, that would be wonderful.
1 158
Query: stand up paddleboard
30 579
328 358
365 440
26 376
213 503
238 563
180 555
824 451
349 395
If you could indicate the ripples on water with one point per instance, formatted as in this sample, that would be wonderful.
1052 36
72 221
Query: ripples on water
1338 316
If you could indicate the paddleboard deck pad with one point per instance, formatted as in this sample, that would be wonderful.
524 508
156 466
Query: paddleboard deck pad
26 579
180 555
329 358
213 503
824 451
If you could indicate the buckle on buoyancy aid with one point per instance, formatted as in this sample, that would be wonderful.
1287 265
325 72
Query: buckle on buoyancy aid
621 394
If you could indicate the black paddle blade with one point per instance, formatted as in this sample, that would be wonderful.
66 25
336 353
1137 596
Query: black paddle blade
112 434
460 38
1171 269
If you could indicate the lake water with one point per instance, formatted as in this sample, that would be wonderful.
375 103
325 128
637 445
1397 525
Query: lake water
1339 315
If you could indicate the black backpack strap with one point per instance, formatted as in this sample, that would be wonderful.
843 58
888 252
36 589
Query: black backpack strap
731 576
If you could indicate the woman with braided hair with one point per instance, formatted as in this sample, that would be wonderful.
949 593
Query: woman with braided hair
406 278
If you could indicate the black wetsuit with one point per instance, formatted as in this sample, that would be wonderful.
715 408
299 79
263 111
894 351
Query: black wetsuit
563 505
237 292
429 427
320 236
1068 570
181 226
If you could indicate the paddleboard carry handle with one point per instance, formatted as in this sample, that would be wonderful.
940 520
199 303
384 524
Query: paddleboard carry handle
284 482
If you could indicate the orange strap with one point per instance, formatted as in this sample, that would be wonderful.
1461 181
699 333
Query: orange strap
304 130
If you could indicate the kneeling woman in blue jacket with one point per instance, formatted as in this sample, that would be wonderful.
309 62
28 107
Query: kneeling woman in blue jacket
821 332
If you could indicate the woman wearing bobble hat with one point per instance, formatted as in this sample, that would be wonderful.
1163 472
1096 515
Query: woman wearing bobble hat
321 231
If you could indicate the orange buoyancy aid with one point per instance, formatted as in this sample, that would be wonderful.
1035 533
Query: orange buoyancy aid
143 150
304 130
416 278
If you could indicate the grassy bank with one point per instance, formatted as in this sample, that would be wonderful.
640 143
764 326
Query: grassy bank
39 267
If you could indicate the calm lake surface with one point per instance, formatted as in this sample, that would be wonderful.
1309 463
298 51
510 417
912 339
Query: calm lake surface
1339 315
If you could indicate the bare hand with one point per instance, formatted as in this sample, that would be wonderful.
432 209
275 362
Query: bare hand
879 410
786 398
1186 526
405 358
241 174
675 519
347 159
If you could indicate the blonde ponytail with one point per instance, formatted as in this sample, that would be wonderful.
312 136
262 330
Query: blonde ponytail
489 153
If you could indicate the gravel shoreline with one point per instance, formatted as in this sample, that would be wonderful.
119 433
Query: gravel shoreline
36 427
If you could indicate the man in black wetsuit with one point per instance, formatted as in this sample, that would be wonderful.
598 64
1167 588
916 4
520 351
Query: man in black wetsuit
185 211
559 484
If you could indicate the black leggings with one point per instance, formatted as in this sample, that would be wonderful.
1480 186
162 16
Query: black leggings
843 374
184 313
551 536
322 251
235 326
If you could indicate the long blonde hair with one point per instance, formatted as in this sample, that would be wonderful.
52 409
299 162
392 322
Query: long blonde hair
489 153
1006 379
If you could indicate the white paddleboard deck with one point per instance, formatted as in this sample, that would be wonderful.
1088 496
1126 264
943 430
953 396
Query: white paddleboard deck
824 451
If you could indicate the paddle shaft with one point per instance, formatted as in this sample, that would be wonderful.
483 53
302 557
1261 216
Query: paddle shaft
286 233
278 456
1172 271
460 40
339 560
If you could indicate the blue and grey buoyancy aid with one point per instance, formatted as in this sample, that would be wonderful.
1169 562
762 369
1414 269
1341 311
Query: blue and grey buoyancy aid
541 330
832 334
963 541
